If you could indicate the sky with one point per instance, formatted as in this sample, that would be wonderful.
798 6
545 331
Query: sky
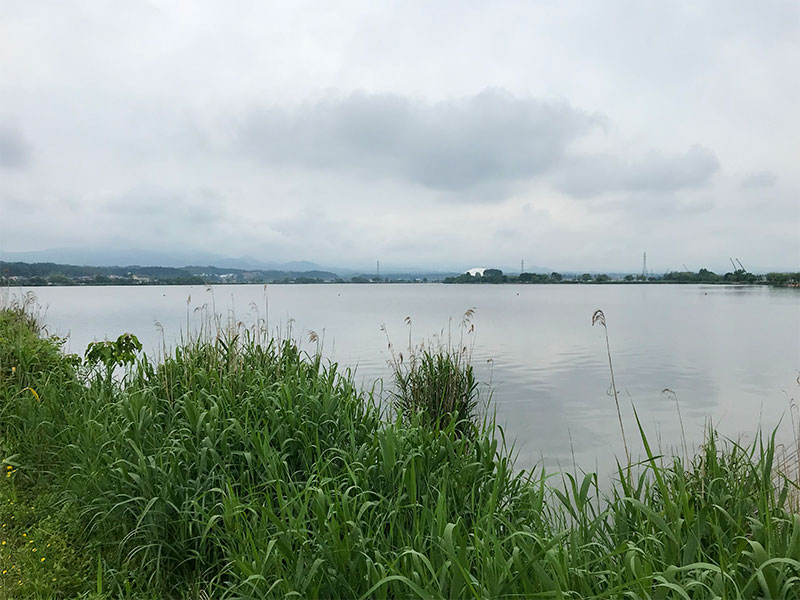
572 135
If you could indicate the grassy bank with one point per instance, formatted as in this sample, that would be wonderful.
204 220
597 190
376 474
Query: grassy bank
240 467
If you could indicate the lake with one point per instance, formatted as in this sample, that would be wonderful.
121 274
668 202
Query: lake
730 354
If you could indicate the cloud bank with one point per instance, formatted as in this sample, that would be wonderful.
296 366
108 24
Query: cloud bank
593 175
455 145
493 139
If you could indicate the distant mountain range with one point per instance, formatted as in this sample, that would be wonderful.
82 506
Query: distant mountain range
105 257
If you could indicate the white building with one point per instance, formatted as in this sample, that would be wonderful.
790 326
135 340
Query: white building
476 271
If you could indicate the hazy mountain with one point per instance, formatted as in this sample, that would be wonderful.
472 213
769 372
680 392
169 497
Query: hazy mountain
103 257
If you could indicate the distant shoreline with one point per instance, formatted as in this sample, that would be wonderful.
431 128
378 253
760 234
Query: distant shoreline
21 274
389 282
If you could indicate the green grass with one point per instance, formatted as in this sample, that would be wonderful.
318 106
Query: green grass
437 387
240 467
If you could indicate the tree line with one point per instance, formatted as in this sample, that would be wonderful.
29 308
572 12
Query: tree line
703 276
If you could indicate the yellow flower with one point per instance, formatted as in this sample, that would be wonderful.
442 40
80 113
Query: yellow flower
41 559
24 535
13 369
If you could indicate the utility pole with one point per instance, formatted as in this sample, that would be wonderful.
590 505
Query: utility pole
521 266
378 269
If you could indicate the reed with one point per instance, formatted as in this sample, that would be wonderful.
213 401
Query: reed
435 383
600 317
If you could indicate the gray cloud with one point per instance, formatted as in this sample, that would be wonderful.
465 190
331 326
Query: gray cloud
491 138
14 152
653 172
762 179
157 204
650 206
474 144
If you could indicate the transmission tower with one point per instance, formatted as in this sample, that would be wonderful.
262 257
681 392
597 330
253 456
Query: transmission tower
644 265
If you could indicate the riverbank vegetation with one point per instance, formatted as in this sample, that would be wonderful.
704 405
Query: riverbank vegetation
703 276
39 274
22 274
239 466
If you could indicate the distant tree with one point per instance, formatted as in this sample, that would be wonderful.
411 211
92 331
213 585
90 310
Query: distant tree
556 276
602 277
533 278
586 277
463 278
782 279
628 277
740 276
493 276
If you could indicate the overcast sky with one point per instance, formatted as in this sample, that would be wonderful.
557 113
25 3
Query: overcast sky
573 135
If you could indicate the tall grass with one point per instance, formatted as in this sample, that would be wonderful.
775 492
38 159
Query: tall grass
787 457
241 467
437 388
435 384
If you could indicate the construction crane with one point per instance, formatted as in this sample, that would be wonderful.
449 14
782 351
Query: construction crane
741 265
685 268
735 268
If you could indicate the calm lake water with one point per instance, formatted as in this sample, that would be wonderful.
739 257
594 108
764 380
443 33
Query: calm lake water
730 354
